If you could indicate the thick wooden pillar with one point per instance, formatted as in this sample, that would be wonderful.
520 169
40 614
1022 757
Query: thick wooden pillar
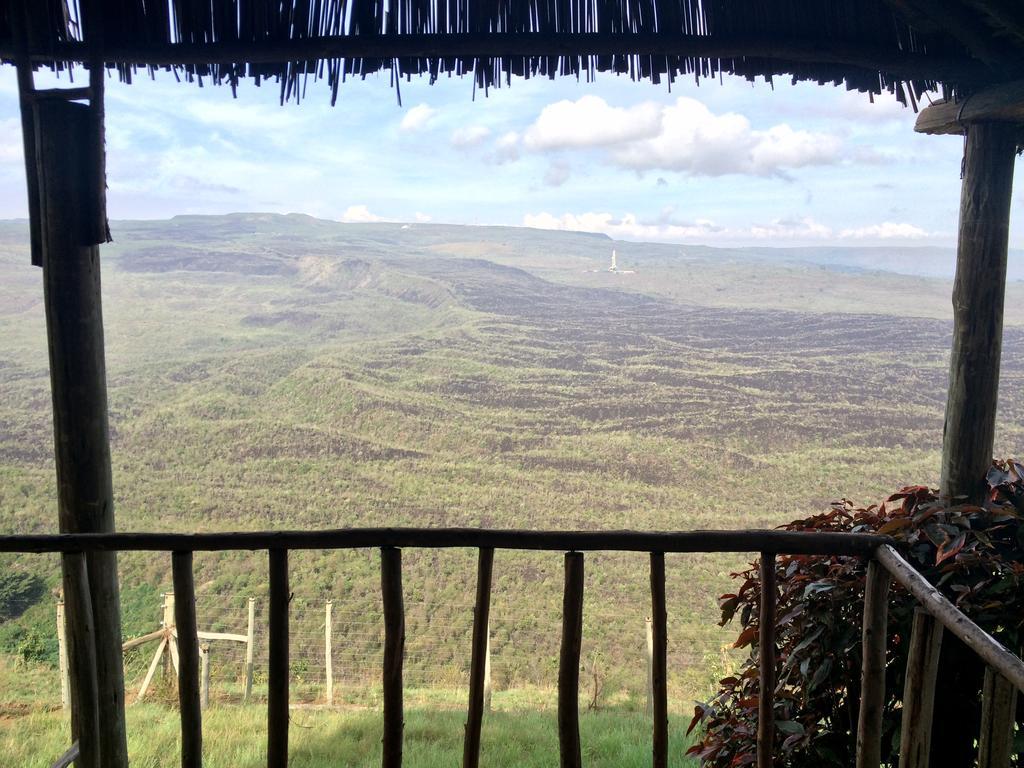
978 309
973 390
70 193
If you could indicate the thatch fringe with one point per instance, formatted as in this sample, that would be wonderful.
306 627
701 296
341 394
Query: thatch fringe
494 40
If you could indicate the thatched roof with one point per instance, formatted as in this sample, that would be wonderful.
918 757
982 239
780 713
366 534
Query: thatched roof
900 46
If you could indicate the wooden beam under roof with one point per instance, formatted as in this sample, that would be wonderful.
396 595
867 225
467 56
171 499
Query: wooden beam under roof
903 64
953 18
1000 104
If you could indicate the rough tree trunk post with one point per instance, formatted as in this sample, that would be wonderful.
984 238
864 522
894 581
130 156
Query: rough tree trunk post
71 196
978 309
874 633
919 690
973 387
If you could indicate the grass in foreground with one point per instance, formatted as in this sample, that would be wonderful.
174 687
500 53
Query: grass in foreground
235 737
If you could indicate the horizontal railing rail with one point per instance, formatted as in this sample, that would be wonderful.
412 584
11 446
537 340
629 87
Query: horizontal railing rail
782 542
884 564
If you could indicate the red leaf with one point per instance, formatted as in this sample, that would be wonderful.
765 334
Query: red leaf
746 637
950 548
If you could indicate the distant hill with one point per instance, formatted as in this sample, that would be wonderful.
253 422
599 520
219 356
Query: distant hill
274 371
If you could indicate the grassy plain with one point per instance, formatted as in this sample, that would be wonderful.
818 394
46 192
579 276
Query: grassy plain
284 372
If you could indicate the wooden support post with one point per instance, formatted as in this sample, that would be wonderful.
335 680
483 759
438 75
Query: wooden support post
874 633
478 659
69 193
189 696
659 676
570 755
394 654
85 710
249 645
649 708
919 690
152 668
978 296
766 663
998 713
204 656
62 659
277 666
978 309
328 651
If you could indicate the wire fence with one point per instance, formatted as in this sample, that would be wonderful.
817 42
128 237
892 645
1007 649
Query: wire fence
524 632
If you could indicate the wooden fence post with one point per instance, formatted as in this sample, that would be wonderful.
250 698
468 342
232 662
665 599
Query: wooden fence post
328 651
919 690
204 654
998 713
167 622
62 659
249 643
570 755
649 709
872 678
487 671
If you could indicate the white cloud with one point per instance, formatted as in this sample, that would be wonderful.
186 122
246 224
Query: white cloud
423 218
359 214
591 122
683 136
11 147
416 119
506 148
887 230
238 117
469 136
557 174
776 232
694 140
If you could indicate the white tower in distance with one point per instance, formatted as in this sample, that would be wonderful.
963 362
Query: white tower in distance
614 267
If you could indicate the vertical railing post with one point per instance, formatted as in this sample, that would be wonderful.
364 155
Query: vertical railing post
569 663
766 661
329 651
659 666
478 659
189 697
919 691
277 666
998 714
872 685
394 654
249 643
85 709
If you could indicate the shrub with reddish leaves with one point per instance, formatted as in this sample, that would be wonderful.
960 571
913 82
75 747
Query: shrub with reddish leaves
973 554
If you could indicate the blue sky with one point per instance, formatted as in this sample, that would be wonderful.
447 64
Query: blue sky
725 164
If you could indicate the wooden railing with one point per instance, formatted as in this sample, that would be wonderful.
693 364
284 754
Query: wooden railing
885 564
